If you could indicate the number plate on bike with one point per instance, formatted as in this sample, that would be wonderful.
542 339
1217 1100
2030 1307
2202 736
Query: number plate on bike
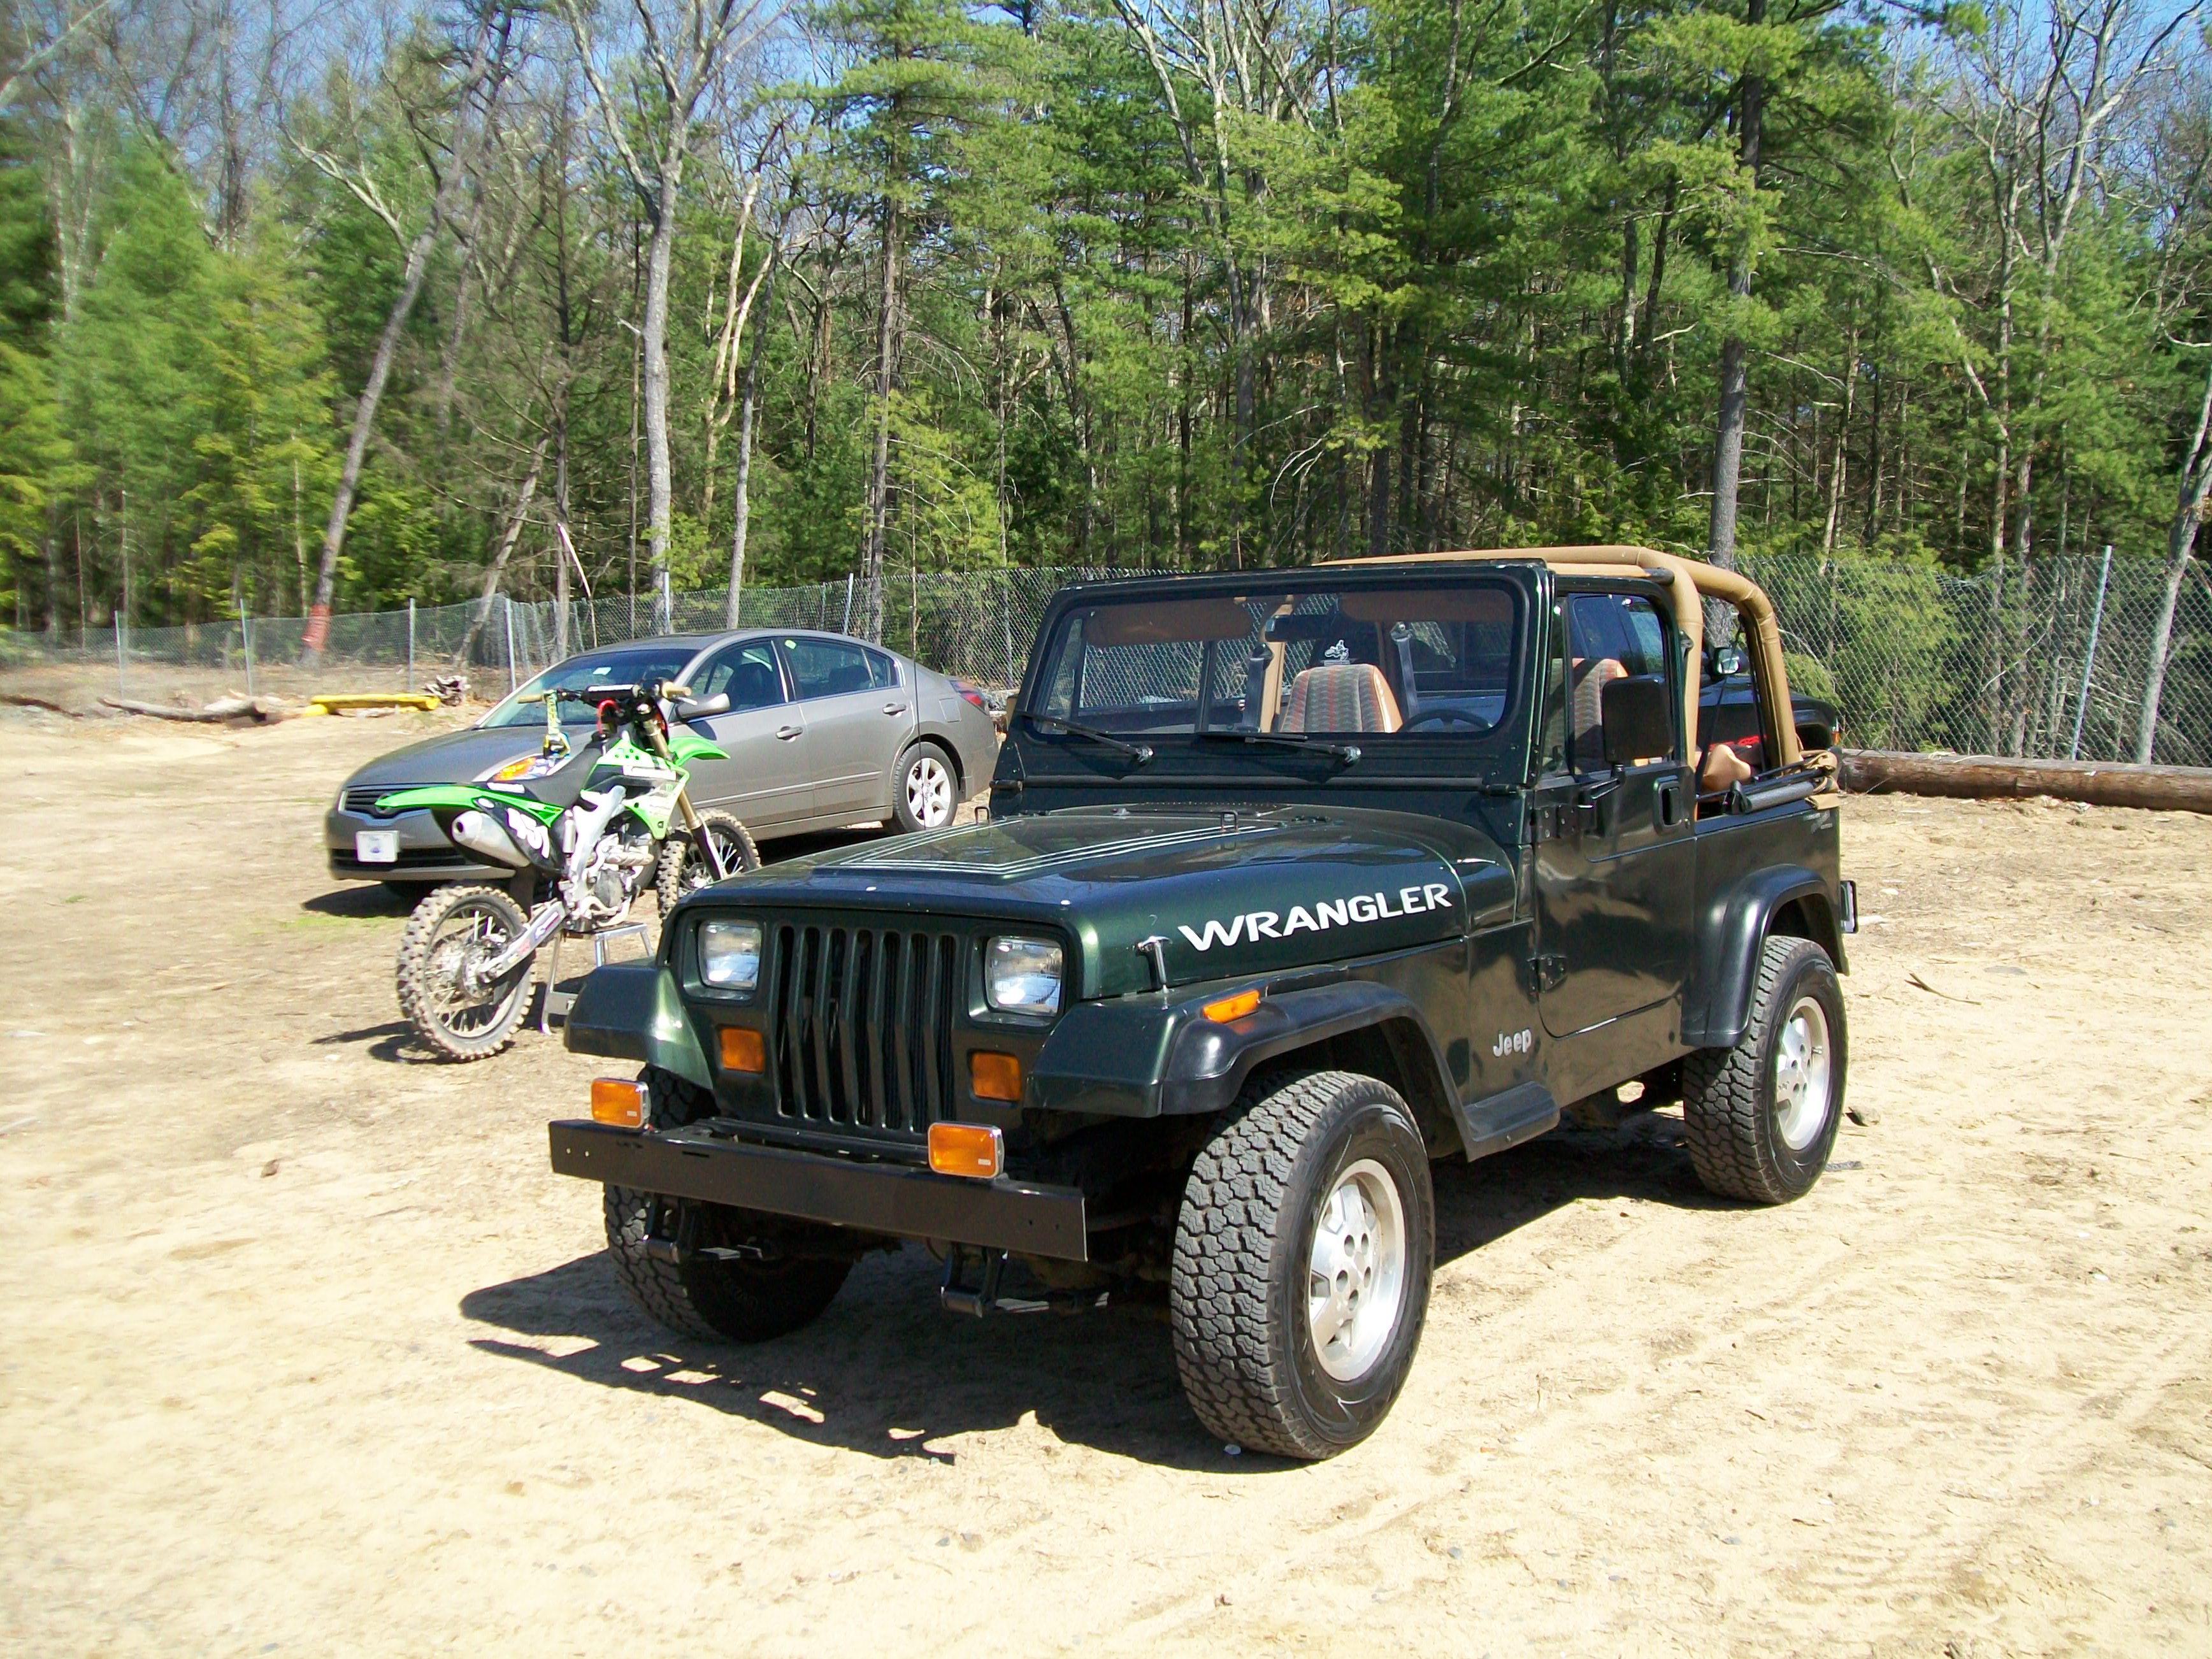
376 846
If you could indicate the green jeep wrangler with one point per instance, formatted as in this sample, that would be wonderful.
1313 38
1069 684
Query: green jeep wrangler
1293 881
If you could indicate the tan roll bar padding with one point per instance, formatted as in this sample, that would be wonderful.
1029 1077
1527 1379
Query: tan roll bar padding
1692 579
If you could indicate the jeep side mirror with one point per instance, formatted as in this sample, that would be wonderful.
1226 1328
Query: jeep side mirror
1727 662
1639 718
686 709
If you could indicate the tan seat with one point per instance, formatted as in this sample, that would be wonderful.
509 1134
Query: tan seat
1586 708
1348 696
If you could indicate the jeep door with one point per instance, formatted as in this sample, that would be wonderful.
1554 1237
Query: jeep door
1615 858
765 780
859 717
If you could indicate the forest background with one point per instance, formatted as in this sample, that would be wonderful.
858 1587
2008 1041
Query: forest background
307 306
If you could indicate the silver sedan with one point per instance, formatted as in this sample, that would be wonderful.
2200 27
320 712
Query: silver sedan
822 731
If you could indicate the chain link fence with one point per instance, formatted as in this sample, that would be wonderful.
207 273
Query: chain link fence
2051 662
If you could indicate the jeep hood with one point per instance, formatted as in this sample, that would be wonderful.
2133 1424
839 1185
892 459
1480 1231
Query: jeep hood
1227 894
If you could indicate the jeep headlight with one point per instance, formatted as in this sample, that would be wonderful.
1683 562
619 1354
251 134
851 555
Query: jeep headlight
1022 976
730 955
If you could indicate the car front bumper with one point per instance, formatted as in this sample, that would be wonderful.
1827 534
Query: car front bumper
905 1202
425 855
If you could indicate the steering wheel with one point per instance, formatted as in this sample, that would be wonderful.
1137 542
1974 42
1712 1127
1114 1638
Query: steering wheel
1458 715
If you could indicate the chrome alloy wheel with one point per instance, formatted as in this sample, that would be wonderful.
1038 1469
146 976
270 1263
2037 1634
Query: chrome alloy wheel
1356 1275
929 792
1803 1065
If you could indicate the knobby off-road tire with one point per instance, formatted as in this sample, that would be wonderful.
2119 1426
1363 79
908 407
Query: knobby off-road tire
683 871
1761 1117
1256 1281
706 1296
925 792
452 922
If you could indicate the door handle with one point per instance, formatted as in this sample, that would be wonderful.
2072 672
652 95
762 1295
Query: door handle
895 708
788 732
1667 803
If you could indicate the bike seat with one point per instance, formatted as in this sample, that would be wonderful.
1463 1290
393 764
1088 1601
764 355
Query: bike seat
562 788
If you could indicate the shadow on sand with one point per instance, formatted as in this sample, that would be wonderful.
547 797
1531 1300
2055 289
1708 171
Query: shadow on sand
884 1371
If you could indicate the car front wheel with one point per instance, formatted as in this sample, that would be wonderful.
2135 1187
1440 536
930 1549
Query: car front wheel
1302 1262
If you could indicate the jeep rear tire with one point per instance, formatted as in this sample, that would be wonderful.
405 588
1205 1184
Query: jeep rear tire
1761 1117
1302 1262
699 1294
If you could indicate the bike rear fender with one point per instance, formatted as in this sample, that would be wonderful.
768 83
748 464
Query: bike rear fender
462 798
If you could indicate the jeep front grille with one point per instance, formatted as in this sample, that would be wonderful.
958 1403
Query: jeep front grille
861 1021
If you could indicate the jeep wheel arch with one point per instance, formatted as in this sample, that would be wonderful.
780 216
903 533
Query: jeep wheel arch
1786 899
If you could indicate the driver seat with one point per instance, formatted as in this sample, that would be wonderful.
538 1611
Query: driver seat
1342 696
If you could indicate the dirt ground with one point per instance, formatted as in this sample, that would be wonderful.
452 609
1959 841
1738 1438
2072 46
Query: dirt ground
303 1350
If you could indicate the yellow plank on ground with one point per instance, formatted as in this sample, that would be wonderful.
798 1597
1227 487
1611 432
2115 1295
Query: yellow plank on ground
331 701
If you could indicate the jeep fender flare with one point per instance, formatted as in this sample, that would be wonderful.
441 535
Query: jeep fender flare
632 1010
1208 1062
1729 936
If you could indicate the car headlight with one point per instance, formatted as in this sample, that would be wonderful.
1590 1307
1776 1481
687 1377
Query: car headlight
1022 976
730 955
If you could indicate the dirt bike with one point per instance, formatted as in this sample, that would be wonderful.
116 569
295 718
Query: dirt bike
581 826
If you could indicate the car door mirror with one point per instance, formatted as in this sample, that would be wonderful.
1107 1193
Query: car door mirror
1639 718
1727 662
688 708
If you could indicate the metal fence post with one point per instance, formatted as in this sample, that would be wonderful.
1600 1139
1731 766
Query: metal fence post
846 626
507 615
1006 625
121 690
2089 657
408 685
246 644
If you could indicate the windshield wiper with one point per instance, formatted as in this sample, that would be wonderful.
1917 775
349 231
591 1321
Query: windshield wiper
1347 752
1138 752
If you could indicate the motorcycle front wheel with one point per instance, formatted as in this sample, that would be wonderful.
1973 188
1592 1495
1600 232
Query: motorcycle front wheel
453 1008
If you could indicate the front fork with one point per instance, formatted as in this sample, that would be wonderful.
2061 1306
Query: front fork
697 830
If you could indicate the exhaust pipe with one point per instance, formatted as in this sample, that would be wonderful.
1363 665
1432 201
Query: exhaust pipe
485 836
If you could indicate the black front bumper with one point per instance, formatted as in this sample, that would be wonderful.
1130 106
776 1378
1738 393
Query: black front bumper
878 1198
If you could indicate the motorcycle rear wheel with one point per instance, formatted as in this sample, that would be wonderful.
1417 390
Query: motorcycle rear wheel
683 871
452 933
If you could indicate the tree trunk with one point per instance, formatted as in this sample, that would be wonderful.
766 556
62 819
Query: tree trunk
561 509
508 537
741 498
2180 544
1986 777
395 323
868 623
1735 355
653 346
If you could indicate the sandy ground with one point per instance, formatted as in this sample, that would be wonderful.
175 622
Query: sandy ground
302 1349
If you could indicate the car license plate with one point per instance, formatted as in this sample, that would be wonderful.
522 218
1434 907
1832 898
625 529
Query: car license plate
376 846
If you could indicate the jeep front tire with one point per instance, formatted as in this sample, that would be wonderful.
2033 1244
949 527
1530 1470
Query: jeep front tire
1302 1262
707 1288
1761 1117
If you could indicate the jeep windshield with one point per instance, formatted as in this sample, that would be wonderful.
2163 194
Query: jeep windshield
1316 660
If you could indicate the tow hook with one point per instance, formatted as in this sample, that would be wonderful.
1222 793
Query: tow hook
959 1295
685 1246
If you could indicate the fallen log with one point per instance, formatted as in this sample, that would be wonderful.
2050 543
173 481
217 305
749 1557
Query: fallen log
223 711
1994 777
24 700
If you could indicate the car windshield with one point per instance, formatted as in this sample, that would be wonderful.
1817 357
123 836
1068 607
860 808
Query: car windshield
526 706
1419 661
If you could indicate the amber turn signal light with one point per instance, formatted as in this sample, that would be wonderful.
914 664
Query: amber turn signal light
1232 1007
974 1150
743 1049
618 1101
995 1077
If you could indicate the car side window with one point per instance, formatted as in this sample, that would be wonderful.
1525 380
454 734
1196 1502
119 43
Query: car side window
883 671
748 672
827 668
1610 637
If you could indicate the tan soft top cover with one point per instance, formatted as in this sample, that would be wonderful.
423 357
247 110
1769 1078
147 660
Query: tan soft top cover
1686 581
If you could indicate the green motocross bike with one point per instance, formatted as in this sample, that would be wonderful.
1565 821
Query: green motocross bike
585 828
